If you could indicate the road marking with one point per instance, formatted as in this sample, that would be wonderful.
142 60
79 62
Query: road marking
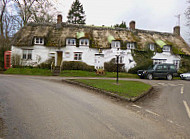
180 84
137 106
172 84
187 108
152 112
182 88
163 84
170 121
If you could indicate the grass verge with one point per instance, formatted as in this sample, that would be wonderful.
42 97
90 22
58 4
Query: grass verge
80 73
66 73
128 89
29 71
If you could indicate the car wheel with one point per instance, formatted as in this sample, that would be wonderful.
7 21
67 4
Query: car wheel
169 77
149 76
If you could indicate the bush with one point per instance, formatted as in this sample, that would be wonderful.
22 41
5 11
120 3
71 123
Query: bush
112 66
15 61
76 65
143 66
46 64
185 65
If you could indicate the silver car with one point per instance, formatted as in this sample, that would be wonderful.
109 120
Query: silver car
185 76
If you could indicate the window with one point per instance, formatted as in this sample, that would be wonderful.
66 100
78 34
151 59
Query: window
130 45
27 54
120 60
115 44
84 42
67 54
159 61
38 40
166 48
176 63
152 46
71 42
77 56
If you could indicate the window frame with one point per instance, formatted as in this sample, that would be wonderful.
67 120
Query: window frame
71 42
85 41
131 45
116 44
39 40
159 61
77 56
27 54
152 46
166 50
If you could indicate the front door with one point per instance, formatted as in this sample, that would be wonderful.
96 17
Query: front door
59 58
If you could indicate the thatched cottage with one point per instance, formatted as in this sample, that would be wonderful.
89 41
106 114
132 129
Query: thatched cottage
36 43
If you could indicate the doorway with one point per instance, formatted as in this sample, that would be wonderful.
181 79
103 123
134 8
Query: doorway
59 57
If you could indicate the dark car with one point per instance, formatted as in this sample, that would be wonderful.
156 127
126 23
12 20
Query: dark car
167 71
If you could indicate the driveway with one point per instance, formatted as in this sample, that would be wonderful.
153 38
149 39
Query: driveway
40 108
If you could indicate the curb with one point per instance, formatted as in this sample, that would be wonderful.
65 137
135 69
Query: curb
107 92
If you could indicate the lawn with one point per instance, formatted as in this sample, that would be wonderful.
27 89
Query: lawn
29 71
66 73
80 73
127 89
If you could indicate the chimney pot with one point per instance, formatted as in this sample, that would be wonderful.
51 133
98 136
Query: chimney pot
59 19
176 30
132 25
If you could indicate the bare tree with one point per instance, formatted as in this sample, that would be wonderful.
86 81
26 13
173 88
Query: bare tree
4 4
43 12
34 10
187 14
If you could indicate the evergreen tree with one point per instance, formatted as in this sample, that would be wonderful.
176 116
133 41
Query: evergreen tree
122 25
76 14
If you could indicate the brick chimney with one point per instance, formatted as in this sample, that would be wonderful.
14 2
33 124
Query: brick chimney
59 19
177 30
132 25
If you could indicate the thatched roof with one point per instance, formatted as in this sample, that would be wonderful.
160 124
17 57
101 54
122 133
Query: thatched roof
56 34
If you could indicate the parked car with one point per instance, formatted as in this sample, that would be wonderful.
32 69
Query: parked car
167 71
185 76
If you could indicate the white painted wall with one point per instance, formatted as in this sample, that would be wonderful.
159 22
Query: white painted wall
42 53
169 58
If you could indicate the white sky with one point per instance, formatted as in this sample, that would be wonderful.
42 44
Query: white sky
157 15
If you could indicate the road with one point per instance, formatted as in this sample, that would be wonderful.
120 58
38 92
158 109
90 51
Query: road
170 101
36 107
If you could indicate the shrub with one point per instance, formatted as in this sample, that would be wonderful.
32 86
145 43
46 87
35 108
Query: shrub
76 65
46 64
143 60
15 61
185 65
112 66
143 66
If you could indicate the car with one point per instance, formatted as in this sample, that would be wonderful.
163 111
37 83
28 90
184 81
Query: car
185 76
167 71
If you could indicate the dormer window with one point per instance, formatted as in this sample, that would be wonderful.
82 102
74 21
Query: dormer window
131 45
166 48
152 46
71 42
84 42
39 40
115 44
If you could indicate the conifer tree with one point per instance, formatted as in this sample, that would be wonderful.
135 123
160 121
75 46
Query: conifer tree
76 14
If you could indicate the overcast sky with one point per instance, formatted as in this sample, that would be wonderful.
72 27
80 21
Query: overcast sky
158 15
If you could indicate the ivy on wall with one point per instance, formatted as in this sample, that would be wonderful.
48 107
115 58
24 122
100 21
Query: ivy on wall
143 60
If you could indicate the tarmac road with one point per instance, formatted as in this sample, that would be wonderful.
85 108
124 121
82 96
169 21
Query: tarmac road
171 102
42 109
